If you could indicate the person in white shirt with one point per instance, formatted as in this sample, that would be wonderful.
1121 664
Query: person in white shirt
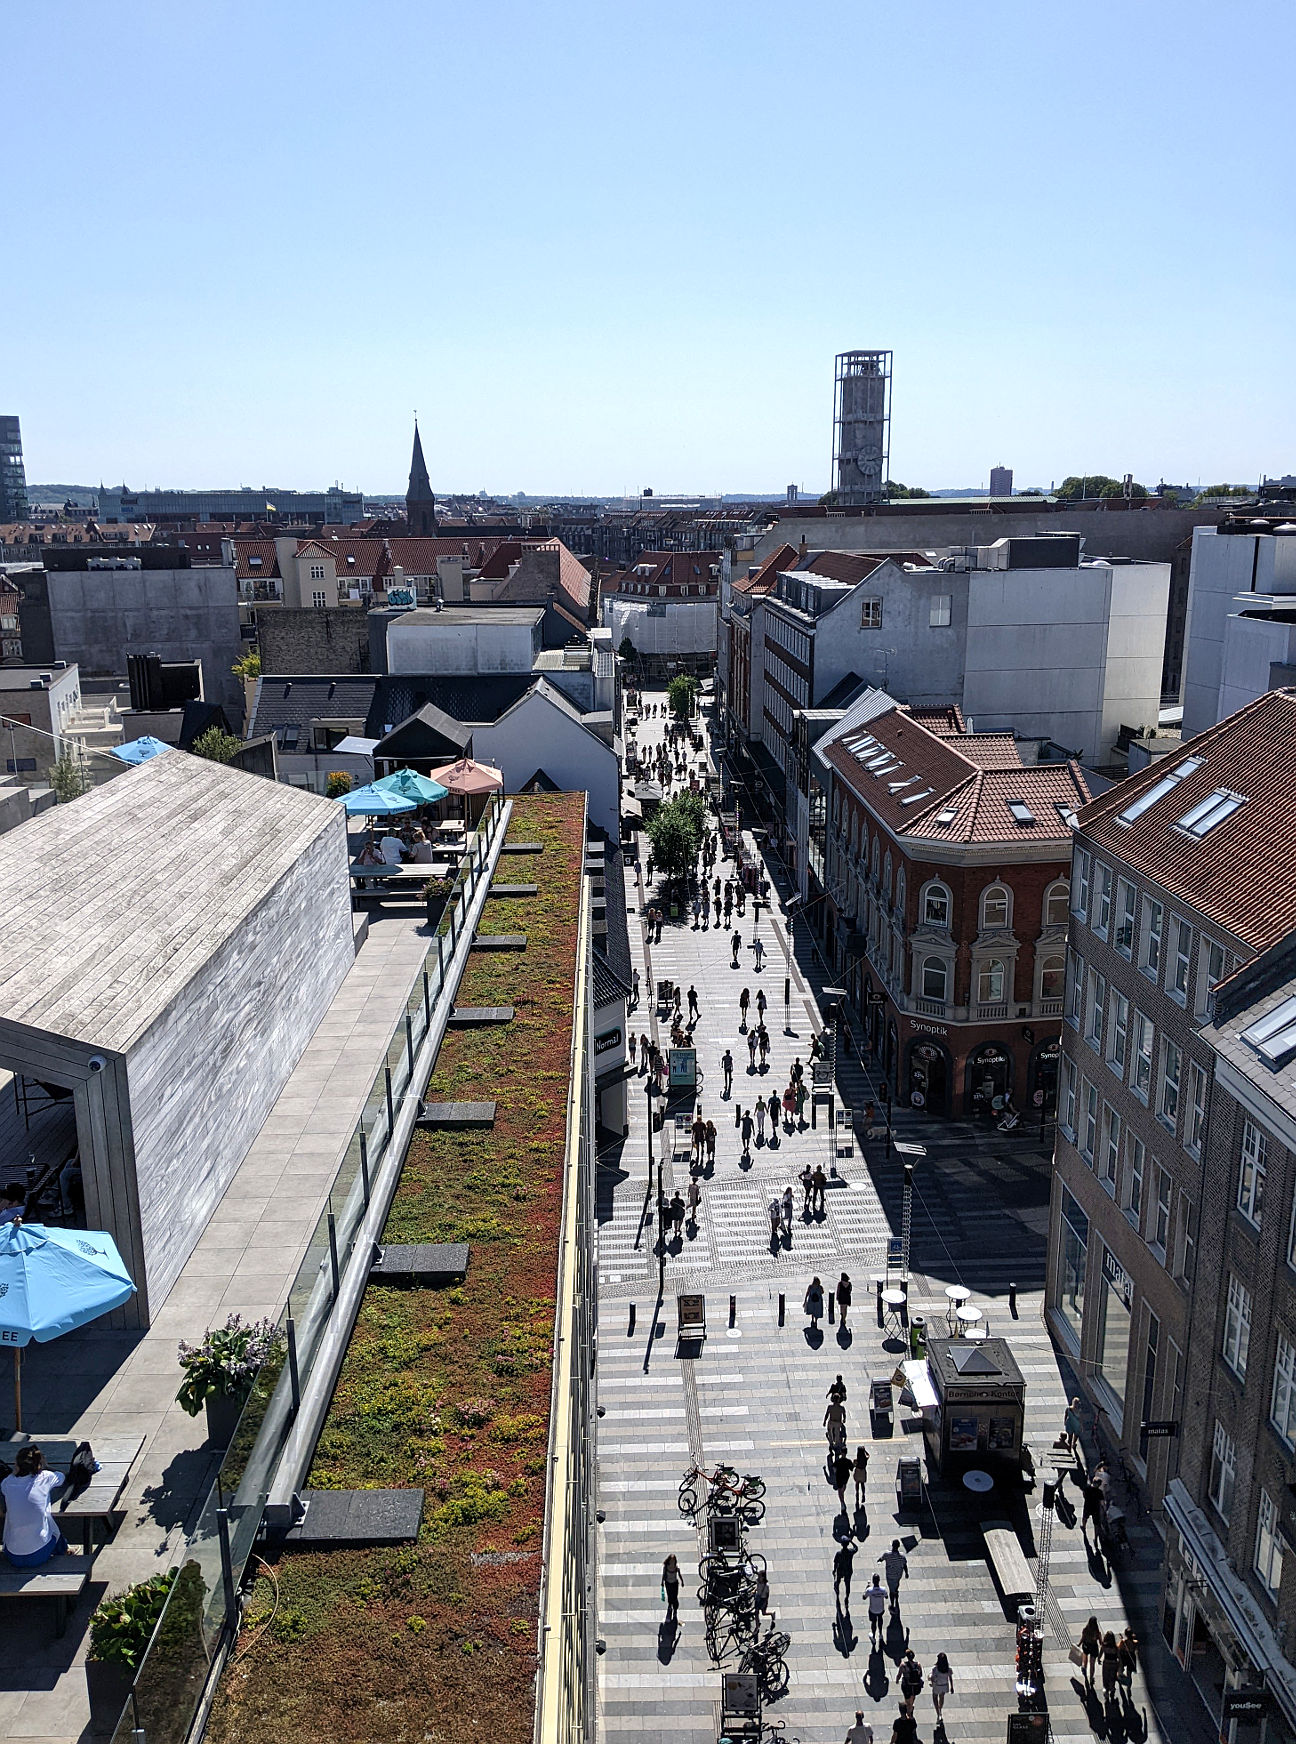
861 1732
421 852
31 1535
391 847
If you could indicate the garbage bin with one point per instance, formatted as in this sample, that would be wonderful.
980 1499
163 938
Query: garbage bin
917 1336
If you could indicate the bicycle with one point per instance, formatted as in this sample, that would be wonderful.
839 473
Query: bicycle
723 1487
765 1658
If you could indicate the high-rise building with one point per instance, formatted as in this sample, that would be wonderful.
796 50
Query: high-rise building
420 503
861 426
1001 481
13 478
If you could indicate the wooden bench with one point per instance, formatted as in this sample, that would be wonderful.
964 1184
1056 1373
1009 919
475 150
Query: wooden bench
63 1578
1008 1561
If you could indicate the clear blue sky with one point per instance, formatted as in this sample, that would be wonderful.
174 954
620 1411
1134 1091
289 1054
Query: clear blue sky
602 246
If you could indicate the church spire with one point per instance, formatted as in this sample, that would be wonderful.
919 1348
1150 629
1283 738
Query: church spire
420 503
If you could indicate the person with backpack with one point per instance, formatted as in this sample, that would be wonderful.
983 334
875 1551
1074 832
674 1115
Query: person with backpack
813 1305
845 1290
911 1679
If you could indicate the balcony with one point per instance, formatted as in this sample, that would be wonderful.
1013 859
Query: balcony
991 1013
1050 1008
931 1007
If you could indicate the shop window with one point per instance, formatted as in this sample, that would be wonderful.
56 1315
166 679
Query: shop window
1114 1323
1074 1265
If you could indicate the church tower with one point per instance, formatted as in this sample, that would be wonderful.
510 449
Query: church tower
420 504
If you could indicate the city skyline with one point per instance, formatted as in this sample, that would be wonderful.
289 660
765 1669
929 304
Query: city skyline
1030 221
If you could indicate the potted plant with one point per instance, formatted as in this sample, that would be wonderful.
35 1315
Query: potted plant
120 1632
436 893
218 1373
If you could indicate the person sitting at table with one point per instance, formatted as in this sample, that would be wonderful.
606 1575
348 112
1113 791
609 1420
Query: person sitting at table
393 850
31 1535
421 851
12 1200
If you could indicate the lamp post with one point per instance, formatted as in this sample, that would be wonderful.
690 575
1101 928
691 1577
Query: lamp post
789 916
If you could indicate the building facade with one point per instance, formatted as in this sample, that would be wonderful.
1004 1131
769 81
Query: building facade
1240 617
13 475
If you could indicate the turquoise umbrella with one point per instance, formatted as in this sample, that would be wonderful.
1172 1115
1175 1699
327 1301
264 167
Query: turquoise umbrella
411 785
375 801
53 1280
140 750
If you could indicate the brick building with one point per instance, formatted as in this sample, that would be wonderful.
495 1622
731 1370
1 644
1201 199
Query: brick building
943 865
1181 874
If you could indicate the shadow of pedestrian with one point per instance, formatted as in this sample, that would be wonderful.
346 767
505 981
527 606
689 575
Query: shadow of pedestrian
897 1637
1092 1706
876 1681
845 1337
814 1337
845 1640
861 1527
1098 1566
1133 1719
668 1636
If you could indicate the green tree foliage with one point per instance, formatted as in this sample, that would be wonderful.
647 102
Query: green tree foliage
905 490
627 648
249 666
679 695
1086 486
828 500
216 745
675 831
1223 490
68 779
338 785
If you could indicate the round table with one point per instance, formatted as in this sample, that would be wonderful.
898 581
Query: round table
967 1317
893 1301
957 1293
978 1481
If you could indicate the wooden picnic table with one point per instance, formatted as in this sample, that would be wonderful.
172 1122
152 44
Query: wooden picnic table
94 1506
408 872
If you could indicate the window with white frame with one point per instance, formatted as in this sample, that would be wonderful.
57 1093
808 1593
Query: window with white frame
319 600
1181 1259
938 616
1057 903
1074 988
1067 1099
1181 961
1282 1396
1080 885
1268 1546
1237 1327
1096 1009
1223 1472
1144 1043
1252 1169
1103 900
1212 966
1113 1128
870 614
1152 937
1052 977
1196 1128
1133 1184
1089 1124
1123 938
1118 1034
935 978
992 982
936 905
995 908
1171 1074
1160 1236
317 572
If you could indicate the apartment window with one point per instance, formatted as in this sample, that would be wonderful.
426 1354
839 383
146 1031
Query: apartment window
1251 1173
1196 1108
1118 1040
1113 1127
1074 1265
1212 965
1282 1399
1134 1182
1268 1546
1067 1100
1074 988
1052 977
992 981
1144 1042
1237 1327
1102 915
1181 963
1089 1133
1097 1005
1160 1237
941 606
1124 936
1080 885
317 572
1153 929
1223 1472
1057 903
318 600
1171 1073
935 978
994 908
936 906
1181 1261
871 614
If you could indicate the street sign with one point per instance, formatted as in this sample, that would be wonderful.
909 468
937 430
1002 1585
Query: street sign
1244 1704
1159 1431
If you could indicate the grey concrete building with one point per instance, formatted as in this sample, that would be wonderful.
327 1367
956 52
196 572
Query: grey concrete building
37 705
169 966
1240 616
1230 1587
13 476
1180 874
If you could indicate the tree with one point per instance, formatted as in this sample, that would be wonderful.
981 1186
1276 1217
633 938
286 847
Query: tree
679 695
248 666
1223 490
216 745
905 490
68 779
627 649
1089 485
673 844
828 500
338 785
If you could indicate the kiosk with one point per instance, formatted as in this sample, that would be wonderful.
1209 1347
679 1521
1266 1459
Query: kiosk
981 1405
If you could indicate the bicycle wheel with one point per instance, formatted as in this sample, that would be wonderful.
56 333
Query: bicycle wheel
774 1678
688 1500
753 1487
753 1512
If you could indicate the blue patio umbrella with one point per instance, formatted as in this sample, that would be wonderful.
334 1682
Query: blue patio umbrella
141 750
375 801
53 1280
411 785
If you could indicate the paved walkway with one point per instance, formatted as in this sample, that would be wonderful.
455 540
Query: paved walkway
755 1399
94 1383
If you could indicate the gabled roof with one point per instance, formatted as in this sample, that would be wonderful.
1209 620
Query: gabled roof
428 731
762 580
313 548
469 699
295 702
1241 873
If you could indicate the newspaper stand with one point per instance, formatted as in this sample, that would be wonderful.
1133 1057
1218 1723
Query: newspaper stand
740 1706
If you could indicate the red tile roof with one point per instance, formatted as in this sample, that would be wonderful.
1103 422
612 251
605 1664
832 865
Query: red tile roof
1242 873
762 580
415 556
944 719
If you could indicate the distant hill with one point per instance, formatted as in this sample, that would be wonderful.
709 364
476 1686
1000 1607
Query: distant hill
83 495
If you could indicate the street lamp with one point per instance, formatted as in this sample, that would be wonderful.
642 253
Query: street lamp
789 915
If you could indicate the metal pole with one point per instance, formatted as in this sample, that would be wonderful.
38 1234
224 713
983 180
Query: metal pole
364 1166
294 1377
333 1253
409 1041
906 1220
391 1111
227 1566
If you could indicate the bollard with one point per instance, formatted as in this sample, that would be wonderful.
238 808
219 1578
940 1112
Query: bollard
832 1305
1012 1300
733 1309
782 1307
631 1327
879 1284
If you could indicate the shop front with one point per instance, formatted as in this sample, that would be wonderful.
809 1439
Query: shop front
928 1074
989 1080
1042 1077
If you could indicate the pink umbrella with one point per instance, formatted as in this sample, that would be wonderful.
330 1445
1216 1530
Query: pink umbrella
467 777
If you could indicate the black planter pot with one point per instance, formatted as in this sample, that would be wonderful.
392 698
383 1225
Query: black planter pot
223 1412
108 1686
435 906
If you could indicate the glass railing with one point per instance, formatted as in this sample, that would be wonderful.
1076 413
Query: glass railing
198 1614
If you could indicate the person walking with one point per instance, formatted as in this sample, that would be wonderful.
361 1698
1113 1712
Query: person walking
746 1129
677 1212
837 1392
895 1565
843 1569
761 1003
670 1585
716 906
798 1070
774 1117
860 1473
841 1474
941 1683
751 1048
737 946
660 922
1090 1648
813 1304
861 1732
759 951
1127 1656
694 1200
789 1108
697 911
632 1041
1092 1491
744 1000
760 1120
845 1290
644 1046
776 1218
877 1612
710 1141
835 1426
1072 1426
800 1103
634 988
650 868
726 1066
911 1679
693 1005
820 1183
1110 1668
762 1035
698 1134
807 1188
762 1596
789 1202
728 916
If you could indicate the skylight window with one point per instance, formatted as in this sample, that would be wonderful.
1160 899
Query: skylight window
895 786
1265 1034
947 816
1066 813
876 762
1202 819
913 798
1021 812
1159 789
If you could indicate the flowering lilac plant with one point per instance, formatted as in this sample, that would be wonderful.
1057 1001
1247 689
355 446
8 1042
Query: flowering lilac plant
226 1361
